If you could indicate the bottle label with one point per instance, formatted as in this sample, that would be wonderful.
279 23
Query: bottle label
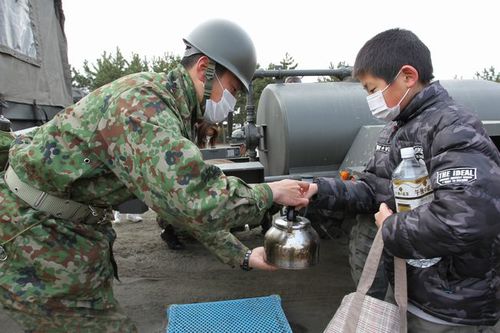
410 194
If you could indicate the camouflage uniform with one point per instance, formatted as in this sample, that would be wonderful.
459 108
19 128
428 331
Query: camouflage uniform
130 137
462 223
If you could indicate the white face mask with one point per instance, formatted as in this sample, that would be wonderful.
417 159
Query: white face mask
378 106
215 112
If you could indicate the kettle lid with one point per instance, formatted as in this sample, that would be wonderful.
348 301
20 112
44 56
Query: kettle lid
299 223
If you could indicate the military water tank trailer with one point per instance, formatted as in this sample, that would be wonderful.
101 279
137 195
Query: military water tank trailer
314 129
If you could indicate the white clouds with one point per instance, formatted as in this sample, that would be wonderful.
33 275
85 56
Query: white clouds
460 35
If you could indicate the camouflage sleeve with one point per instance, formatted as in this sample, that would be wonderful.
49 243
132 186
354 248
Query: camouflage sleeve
465 176
142 139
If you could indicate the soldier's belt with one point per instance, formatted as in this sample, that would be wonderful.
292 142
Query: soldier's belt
57 207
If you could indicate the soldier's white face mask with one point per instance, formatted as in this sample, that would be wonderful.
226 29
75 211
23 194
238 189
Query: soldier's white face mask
215 112
378 106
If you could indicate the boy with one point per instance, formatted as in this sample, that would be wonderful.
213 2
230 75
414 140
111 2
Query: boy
462 224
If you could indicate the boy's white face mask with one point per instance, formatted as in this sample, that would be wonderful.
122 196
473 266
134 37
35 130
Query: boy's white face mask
378 106
215 112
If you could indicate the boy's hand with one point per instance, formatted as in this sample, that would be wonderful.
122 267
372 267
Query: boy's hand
383 212
312 191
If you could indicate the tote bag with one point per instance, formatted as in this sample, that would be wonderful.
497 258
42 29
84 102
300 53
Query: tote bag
360 313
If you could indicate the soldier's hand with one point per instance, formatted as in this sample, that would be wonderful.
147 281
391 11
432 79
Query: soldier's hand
258 260
289 192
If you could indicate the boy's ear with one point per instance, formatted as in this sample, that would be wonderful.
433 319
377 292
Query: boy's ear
410 75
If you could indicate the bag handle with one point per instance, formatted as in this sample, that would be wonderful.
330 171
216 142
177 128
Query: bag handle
401 290
366 281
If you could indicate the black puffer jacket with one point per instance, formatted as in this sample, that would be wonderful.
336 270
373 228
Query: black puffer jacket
462 223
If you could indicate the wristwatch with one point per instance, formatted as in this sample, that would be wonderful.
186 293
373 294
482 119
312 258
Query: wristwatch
245 264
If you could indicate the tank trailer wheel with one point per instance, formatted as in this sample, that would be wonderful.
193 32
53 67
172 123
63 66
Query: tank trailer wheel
360 241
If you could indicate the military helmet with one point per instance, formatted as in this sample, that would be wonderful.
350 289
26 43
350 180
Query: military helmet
227 44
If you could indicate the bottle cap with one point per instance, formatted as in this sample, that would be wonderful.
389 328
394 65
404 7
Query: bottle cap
407 152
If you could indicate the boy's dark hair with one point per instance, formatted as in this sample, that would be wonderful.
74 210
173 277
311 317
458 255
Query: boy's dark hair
191 60
385 54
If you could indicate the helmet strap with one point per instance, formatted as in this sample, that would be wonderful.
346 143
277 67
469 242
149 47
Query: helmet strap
209 79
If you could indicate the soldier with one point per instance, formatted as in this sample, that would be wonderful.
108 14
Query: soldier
461 225
132 137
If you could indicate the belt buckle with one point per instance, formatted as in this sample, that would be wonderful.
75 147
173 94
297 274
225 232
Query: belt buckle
93 211
100 219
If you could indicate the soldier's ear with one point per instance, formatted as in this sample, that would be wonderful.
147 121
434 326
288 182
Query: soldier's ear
201 68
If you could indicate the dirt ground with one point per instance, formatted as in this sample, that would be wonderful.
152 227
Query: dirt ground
153 277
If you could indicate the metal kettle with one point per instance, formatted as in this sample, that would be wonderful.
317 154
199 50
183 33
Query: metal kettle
291 242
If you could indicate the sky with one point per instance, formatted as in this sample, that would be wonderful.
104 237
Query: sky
461 35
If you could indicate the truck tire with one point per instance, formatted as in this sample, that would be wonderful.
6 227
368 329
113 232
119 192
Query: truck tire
360 241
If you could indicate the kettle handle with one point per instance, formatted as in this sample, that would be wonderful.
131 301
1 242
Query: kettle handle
291 213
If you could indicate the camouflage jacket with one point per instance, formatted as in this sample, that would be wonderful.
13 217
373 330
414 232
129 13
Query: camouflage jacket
133 137
461 224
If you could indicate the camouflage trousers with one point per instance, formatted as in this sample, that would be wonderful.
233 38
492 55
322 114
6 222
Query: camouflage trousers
73 320
58 274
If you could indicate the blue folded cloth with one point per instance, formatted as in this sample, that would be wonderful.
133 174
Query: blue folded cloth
246 315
